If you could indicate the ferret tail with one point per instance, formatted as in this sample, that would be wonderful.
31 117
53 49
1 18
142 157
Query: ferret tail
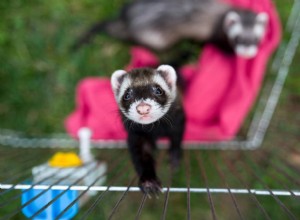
113 28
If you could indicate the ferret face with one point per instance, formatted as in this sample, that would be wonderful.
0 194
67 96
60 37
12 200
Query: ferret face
245 31
145 95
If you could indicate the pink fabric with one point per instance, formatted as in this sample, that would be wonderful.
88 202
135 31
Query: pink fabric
220 89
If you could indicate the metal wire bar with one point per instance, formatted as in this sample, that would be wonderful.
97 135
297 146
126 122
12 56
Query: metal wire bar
99 198
275 177
203 173
121 199
25 172
77 199
293 15
283 71
166 202
11 199
221 174
26 164
252 195
62 193
280 203
285 187
288 28
113 166
212 190
40 194
138 214
188 178
283 172
278 170
10 156
294 169
167 193
17 176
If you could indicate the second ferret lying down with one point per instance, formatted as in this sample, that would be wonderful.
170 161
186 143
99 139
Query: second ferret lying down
159 24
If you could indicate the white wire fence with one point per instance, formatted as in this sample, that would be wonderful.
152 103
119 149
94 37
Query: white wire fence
206 177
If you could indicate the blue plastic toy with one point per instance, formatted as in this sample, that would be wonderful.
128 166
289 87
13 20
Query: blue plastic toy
54 209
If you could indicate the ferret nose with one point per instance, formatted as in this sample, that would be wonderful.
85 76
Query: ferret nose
143 108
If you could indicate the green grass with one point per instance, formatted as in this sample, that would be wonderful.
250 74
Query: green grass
39 74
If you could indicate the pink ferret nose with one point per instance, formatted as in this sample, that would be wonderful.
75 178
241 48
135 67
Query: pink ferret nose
143 108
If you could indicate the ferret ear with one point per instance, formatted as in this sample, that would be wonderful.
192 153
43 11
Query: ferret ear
262 18
168 73
116 79
231 18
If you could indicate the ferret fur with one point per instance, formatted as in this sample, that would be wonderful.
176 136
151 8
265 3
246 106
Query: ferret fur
160 24
151 108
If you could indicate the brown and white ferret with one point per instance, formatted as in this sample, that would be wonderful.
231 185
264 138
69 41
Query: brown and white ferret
151 108
159 24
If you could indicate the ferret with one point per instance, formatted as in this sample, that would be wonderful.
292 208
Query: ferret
150 105
160 24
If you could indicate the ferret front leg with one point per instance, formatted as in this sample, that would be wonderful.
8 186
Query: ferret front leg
176 137
141 153
175 150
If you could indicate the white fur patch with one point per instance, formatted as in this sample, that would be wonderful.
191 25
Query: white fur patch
261 24
171 74
156 112
171 78
231 16
162 83
153 39
246 51
259 30
124 86
232 24
114 80
234 30
262 17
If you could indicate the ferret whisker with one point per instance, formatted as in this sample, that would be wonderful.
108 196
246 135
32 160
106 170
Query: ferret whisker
168 120
132 124
152 126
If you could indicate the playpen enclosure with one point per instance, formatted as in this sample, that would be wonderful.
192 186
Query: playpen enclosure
218 180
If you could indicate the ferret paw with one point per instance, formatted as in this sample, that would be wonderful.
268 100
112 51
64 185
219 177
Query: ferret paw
151 187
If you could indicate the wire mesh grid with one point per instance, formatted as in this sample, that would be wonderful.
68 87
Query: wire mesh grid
261 184
207 181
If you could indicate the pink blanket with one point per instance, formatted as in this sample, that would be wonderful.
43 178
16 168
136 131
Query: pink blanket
220 89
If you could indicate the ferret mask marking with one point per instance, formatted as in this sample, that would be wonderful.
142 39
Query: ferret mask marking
154 88
246 37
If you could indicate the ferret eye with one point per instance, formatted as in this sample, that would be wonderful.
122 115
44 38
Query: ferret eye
127 95
157 90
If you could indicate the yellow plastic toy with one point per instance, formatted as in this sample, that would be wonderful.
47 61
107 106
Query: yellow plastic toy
65 159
